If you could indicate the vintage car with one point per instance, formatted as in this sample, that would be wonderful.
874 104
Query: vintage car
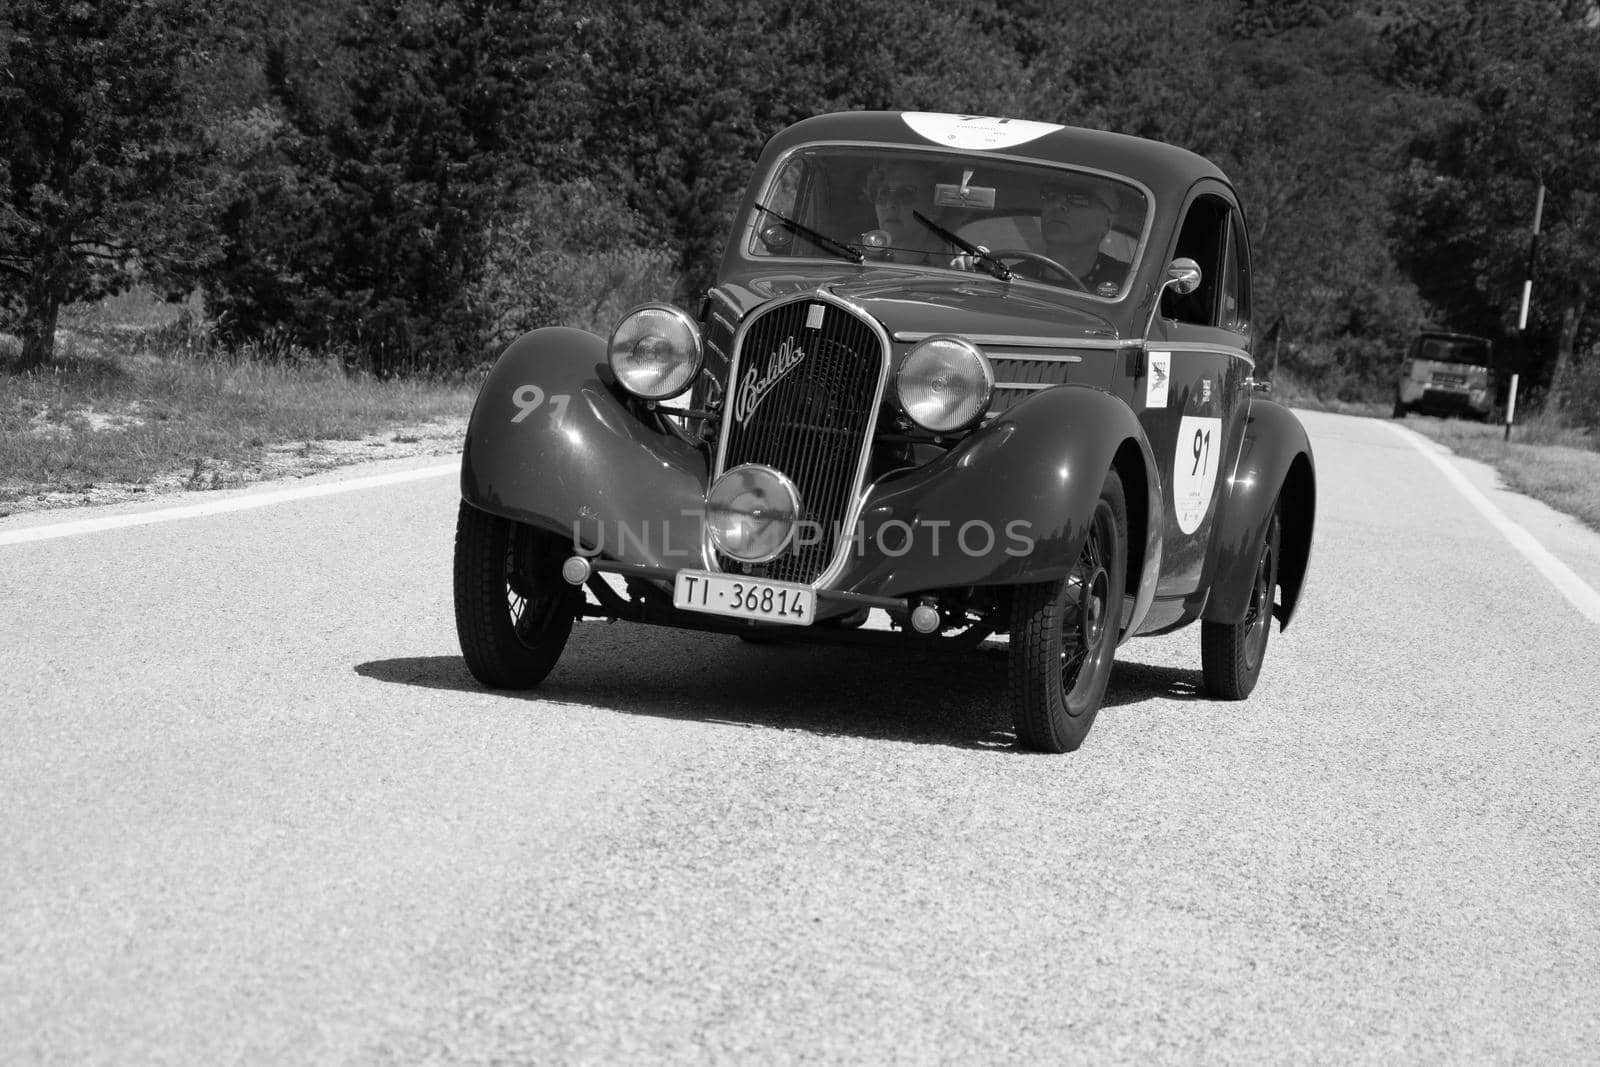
967 378
1447 374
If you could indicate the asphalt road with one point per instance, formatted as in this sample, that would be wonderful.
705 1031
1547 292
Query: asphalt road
253 810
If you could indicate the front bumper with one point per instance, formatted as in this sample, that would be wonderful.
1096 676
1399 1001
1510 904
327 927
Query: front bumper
650 601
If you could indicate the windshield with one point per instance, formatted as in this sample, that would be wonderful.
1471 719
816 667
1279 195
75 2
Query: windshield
1453 350
1075 229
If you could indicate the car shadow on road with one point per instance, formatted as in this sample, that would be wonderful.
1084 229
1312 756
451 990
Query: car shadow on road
910 695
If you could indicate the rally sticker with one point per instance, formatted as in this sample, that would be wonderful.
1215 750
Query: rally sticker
976 131
1155 386
1194 470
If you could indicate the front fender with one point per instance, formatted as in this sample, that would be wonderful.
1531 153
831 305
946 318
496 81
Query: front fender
1275 468
551 443
1012 502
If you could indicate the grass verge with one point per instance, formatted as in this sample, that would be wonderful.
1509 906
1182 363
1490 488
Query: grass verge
1544 459
122 411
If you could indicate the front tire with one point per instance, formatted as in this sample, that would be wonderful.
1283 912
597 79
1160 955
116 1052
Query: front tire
1231 654
514 611
1064 634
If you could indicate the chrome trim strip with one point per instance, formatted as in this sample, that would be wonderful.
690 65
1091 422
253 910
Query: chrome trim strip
1203 348
858 489
1027 385
1028 357
723 321
1021 341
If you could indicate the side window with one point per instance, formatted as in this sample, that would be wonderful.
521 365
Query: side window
1204 239
1236 280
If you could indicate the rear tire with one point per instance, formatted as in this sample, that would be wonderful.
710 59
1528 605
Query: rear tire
1064 634
514 611
1231 654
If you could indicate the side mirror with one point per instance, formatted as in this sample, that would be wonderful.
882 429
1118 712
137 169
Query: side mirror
1183 276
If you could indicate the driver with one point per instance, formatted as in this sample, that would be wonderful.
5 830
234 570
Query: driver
1075 214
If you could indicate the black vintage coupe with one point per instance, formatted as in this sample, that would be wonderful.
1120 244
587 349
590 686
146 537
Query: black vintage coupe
964 376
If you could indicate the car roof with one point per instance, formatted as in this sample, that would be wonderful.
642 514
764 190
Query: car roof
1166 169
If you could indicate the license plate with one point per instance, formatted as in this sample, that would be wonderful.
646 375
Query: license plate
744 598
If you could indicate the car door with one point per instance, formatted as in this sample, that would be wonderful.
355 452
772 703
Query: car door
1198 368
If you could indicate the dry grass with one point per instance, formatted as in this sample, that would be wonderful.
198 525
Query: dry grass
1544 459
130 403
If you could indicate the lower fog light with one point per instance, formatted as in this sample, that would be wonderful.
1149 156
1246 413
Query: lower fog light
752 512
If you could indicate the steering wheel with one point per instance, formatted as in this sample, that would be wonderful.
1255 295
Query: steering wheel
1022 255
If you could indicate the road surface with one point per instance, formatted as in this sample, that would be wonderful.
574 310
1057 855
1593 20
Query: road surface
254 810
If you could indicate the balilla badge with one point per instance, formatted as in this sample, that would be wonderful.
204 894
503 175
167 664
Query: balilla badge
753 388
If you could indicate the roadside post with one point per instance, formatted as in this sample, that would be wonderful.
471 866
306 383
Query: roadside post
1511 406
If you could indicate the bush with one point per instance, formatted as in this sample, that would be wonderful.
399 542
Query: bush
569 257
1581 403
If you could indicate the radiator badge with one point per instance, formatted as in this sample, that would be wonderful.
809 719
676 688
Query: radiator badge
753 388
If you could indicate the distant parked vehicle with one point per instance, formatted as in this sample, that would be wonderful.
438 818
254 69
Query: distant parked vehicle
1447 374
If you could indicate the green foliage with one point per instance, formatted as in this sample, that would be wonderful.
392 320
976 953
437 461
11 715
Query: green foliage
365 228
411 182
570 255
685 94
1514 108
100 113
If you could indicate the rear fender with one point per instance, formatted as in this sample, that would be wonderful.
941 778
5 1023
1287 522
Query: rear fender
1275 468
1011 504
554 443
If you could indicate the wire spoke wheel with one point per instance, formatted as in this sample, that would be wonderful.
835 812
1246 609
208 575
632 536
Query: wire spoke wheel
1231 654
1064 634
514 611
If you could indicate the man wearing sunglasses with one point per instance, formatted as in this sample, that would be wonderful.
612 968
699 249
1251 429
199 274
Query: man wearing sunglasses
1075 214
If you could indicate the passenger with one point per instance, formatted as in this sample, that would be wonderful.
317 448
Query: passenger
897 189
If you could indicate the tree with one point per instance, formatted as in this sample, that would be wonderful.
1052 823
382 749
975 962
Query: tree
102 117
366 225
685 94
1517 86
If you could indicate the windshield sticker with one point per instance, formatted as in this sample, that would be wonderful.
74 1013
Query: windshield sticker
1194 470
1155 387
976 131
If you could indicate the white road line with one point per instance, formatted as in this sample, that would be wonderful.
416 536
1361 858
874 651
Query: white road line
218 507
1578 592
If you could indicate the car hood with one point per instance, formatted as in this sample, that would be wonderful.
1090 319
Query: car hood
979 306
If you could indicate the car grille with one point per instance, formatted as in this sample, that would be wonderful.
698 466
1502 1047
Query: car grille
802 399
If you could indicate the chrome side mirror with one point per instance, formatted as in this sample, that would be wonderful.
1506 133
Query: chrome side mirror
1183 275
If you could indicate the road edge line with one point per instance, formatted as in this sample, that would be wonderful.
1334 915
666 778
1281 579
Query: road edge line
79 527
1567 582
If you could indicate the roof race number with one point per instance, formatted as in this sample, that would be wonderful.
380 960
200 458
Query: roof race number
976 131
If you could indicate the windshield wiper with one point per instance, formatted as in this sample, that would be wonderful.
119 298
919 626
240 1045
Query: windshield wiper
821 240
997 268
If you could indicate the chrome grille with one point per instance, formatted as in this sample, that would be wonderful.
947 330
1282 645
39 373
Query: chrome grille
812 421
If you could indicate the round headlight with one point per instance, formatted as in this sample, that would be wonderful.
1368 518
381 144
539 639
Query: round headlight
751 512
944 384
655 352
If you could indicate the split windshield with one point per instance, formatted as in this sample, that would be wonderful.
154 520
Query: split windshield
1075 229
